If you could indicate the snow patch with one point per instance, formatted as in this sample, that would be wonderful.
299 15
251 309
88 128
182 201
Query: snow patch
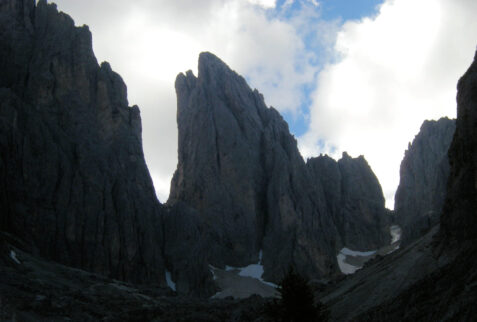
395 232
361 257
13 256
252 270
170 282
231 268
212 270
216 295
349 252
347 268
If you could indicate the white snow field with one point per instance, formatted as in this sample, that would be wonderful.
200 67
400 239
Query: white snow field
241 282
170 282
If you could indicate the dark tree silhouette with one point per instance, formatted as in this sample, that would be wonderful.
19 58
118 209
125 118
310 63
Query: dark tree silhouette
297 302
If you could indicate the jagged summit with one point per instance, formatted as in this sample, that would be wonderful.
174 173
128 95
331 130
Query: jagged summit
218 78
211 69
212 66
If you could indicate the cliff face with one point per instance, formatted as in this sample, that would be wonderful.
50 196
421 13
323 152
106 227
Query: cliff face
424 173
355 200
240 168
74 183
459 220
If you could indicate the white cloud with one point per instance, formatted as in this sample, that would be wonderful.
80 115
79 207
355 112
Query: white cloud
268 4
393 72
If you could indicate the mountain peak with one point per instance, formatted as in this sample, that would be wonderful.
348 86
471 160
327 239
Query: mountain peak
214 72
210 62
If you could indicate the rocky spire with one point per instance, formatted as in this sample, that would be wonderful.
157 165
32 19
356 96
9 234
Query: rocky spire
240 168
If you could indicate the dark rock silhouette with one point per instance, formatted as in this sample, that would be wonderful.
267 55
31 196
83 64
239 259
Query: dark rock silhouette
240 168
423 179
74 183
355 200
459 220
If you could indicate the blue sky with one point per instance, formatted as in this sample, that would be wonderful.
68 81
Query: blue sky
337 9
348 10
333 11
348 75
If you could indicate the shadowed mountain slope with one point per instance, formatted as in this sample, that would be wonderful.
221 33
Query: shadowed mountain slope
74 183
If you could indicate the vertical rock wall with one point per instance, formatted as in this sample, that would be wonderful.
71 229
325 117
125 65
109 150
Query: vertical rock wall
73 180
355 201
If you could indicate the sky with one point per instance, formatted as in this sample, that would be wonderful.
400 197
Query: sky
347 75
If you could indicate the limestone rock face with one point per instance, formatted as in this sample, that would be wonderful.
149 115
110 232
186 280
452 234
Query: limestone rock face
355 200
240 169
74 183
459 219
424 173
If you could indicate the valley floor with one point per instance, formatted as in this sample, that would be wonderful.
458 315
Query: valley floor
32 289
